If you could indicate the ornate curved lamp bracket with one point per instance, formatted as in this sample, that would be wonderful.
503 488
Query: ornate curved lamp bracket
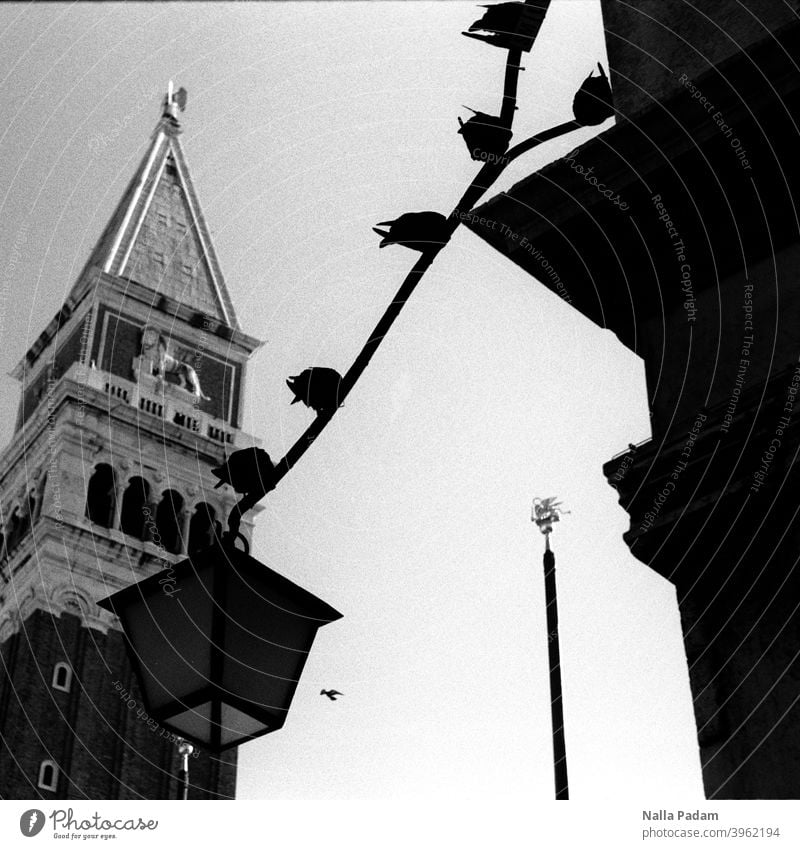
598 109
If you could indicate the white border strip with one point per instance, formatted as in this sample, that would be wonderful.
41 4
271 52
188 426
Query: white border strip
134 201
142 216
199 229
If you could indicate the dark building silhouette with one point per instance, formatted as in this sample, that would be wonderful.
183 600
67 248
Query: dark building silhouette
108 480
677 228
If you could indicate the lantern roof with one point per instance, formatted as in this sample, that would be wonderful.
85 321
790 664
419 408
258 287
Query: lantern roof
218 644
223 557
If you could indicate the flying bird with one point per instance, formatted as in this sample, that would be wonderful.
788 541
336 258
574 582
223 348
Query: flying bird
331 694
420 231
247 471
317 388
593 102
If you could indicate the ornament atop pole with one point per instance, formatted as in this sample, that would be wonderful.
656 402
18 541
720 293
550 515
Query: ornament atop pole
544 514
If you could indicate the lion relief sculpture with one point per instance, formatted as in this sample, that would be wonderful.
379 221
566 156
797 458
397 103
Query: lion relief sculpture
155 359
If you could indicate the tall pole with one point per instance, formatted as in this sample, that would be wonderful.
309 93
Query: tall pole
554 654
545 513
184 750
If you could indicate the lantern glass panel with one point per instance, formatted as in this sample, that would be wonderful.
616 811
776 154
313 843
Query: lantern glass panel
266 644
193 724
236 724
170 635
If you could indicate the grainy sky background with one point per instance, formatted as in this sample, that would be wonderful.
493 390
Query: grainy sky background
308 123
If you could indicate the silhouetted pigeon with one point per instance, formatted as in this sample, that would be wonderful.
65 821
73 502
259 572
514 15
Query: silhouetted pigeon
317 388
247 471
331 694
485 134
510 25
420 231
593 102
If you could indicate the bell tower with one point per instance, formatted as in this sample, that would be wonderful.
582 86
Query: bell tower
130 395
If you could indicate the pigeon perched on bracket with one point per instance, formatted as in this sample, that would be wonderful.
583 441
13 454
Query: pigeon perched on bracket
248 471
485 134
510 26
317 388
420 231
593 102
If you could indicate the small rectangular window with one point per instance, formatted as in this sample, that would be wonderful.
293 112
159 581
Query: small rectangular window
62 677
48 776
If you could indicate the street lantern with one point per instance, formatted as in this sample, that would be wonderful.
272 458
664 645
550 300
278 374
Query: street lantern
218 643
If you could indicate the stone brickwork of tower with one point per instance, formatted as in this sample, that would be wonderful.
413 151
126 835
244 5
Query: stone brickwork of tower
130 395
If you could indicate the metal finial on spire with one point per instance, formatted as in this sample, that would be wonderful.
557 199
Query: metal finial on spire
175 100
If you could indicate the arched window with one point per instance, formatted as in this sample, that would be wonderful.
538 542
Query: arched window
135 508
201 527
40 497
48 776
101 496
14 530
169 520
62 677
24 518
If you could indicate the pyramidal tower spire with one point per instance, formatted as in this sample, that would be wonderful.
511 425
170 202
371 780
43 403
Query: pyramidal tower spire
157 237
131 394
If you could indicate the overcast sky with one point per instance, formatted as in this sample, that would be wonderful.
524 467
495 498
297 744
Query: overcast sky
307 124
